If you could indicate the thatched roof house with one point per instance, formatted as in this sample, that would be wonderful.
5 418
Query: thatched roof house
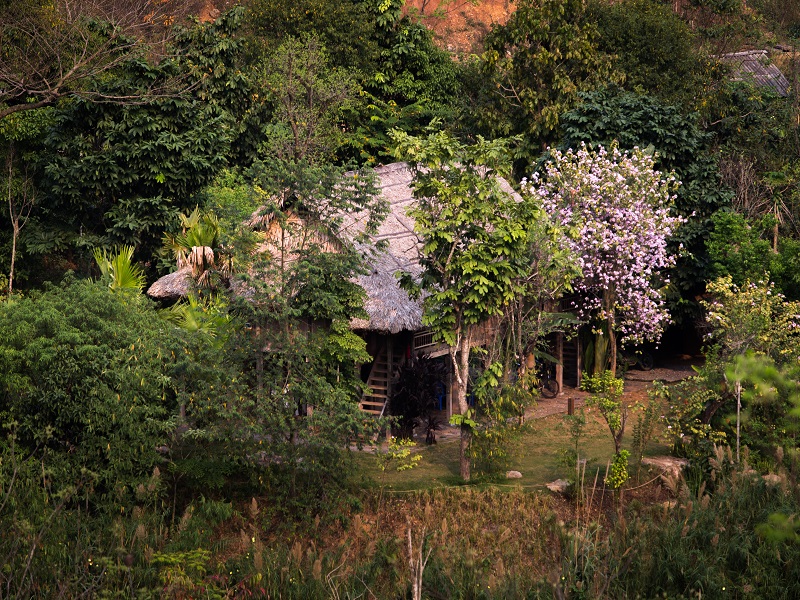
174 286
756 67
393 328
389 307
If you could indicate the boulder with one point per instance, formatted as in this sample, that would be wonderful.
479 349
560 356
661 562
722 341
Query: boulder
669 465
559 486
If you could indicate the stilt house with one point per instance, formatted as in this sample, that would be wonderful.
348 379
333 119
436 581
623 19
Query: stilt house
393 328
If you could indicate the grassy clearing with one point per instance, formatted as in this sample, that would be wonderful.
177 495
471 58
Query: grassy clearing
540 456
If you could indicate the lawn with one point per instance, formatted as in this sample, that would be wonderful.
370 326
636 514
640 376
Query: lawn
539 456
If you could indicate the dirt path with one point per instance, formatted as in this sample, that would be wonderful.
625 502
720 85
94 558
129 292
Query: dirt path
637 383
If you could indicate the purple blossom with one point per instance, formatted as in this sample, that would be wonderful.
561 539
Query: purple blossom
615 208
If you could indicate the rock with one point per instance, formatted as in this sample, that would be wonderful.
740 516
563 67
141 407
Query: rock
513 475
559 486
668 464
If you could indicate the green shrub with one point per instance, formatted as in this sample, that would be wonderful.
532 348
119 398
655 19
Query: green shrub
84 374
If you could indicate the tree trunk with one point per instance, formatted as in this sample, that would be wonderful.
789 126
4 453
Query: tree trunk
559 350
17 217
14 222
599 355
460 358
738 418
612 346
463 456
609 296
710 410
259 363
521 346
15 235
775 231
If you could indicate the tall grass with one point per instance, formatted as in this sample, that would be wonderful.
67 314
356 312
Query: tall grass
483 544
705 545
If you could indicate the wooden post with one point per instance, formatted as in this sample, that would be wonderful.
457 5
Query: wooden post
570 405
560 364
389 374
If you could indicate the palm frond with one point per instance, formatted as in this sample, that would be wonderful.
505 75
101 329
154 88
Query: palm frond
195 246
206 317
118 270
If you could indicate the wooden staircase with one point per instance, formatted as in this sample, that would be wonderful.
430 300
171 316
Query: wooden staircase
375 401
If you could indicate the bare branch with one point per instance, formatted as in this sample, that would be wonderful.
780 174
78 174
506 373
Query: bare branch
52 50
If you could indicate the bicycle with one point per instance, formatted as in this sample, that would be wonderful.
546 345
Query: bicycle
548 384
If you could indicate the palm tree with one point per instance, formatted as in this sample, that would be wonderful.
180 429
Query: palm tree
207 317
118 270
197 246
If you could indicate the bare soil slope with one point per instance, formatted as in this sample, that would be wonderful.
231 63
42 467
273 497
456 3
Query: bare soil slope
459 25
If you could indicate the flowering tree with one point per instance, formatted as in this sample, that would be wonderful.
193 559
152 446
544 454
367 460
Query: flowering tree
616 208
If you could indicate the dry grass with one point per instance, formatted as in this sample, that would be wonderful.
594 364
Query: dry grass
514 539
485 543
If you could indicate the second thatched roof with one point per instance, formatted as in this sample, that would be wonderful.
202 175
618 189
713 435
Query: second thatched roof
756 67
172 286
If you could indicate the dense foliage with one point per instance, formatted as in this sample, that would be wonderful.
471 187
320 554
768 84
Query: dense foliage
654 49
205 447
86 378
533 68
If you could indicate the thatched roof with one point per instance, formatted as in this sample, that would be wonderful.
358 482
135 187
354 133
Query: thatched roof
755 66
173 286
389 308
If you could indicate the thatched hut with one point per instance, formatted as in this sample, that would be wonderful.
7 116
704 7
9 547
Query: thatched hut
393 328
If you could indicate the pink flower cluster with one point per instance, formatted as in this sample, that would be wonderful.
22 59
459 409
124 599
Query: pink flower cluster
615 210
